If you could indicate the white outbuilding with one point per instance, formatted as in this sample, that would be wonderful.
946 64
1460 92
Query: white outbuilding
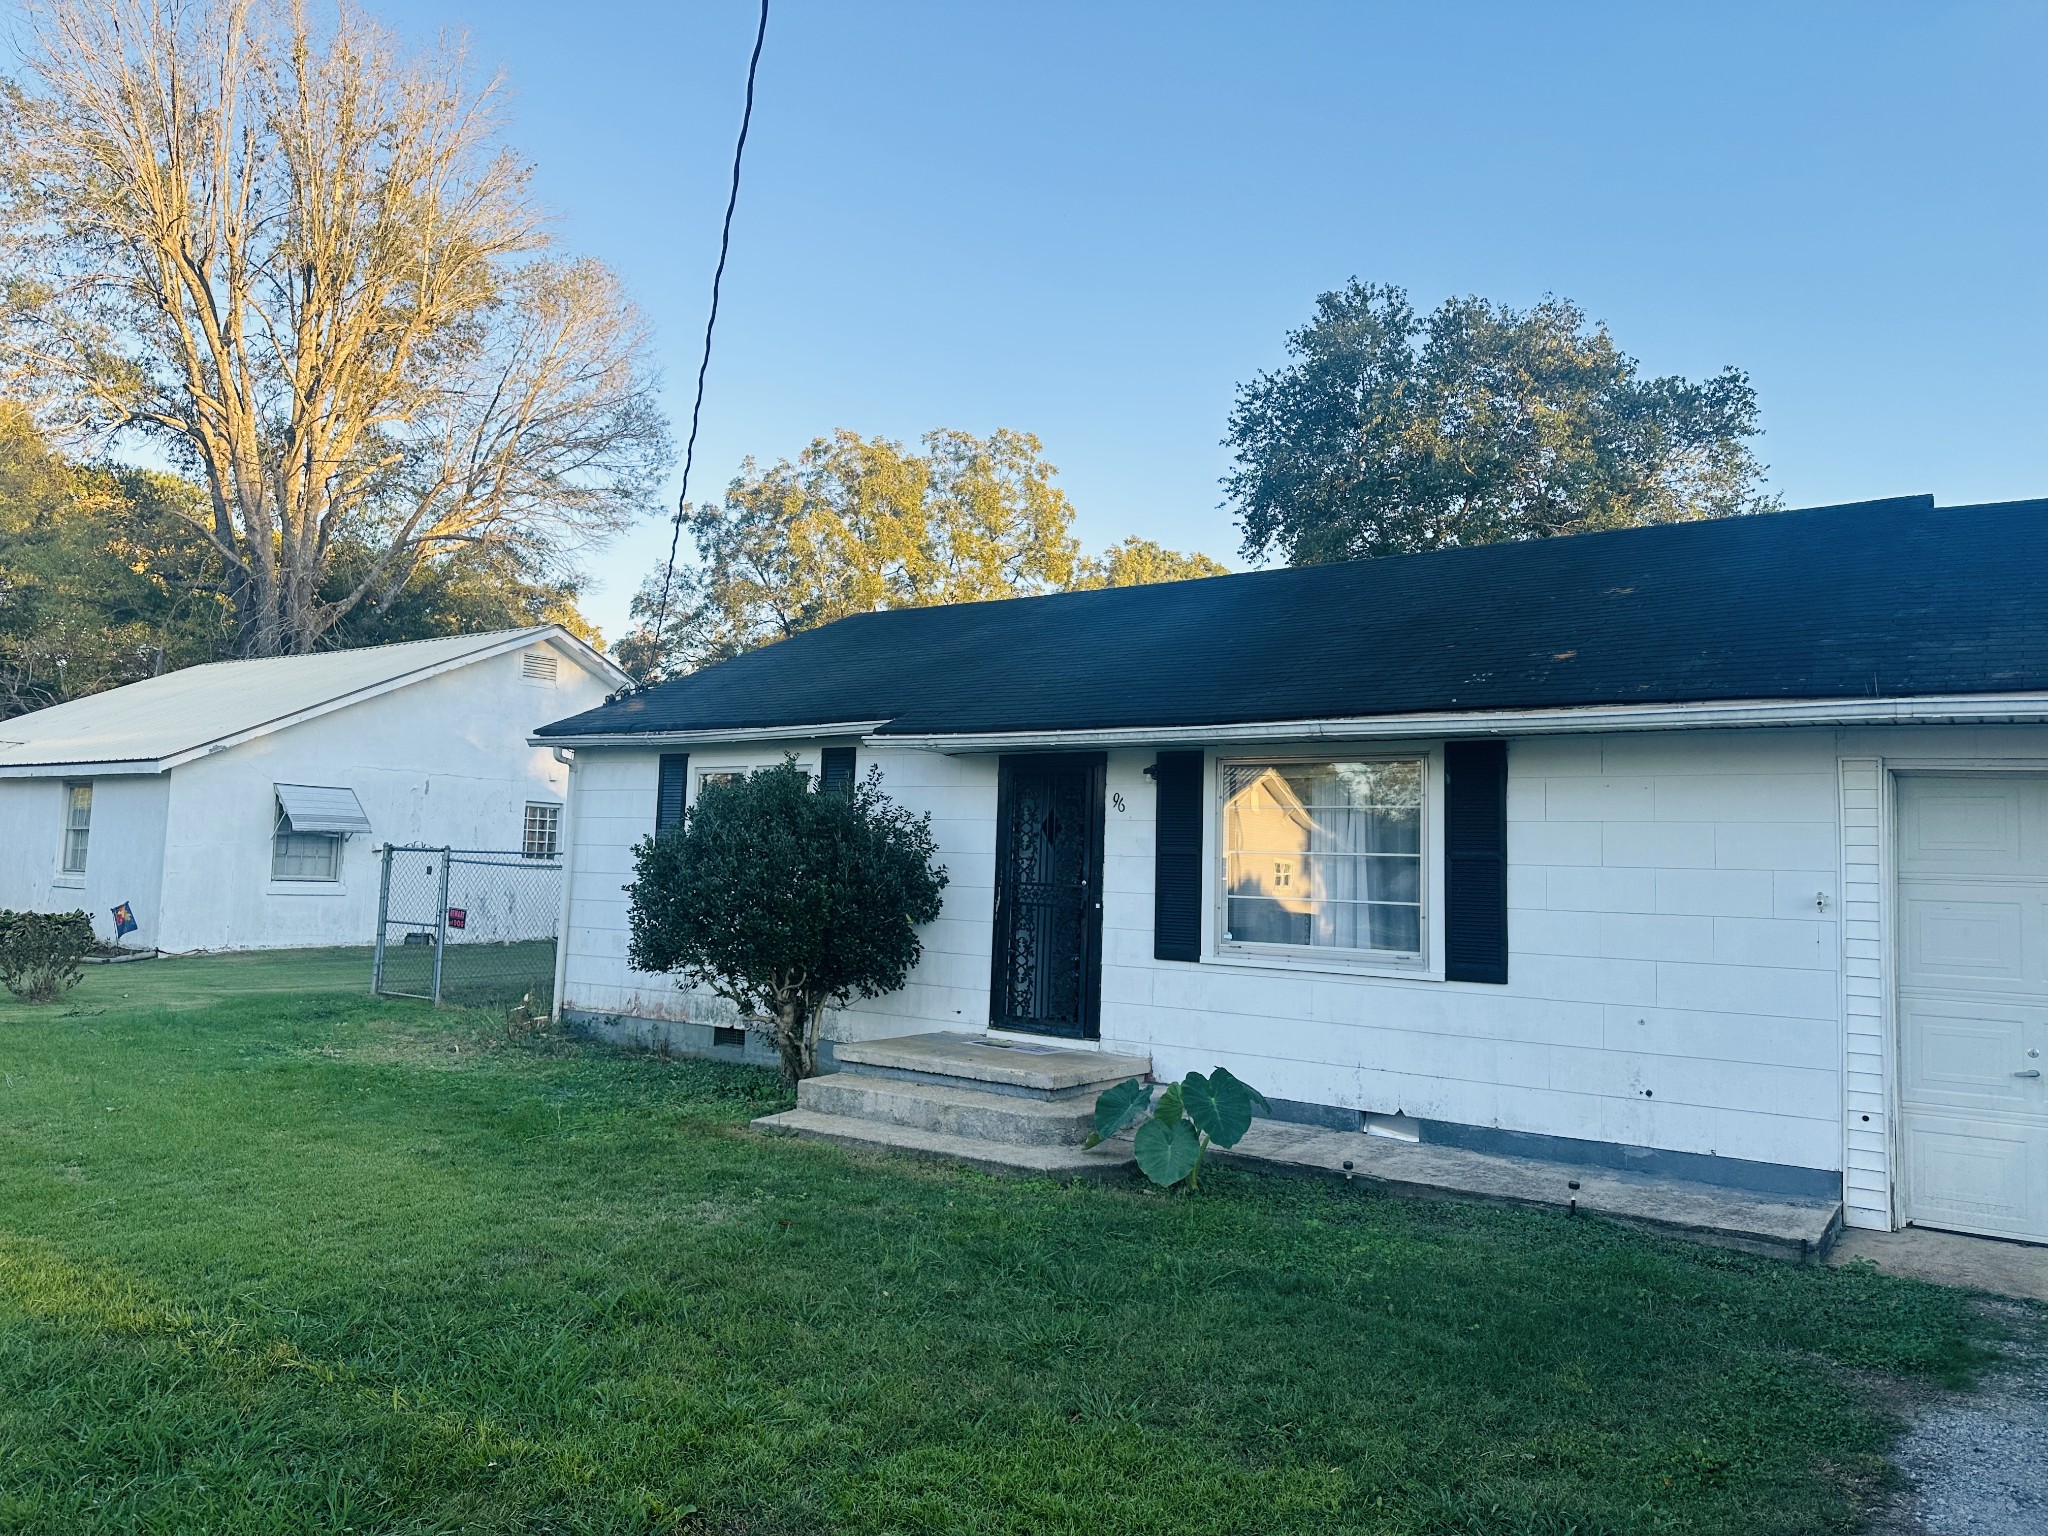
241 805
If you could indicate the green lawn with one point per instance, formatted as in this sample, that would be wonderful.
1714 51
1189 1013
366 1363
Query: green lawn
276 1257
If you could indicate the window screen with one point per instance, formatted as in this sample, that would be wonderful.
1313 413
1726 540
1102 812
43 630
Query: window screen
1324 856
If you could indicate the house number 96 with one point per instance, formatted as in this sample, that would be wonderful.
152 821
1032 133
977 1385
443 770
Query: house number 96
1117 800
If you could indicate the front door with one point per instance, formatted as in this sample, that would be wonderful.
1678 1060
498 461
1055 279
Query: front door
1973 1001
1048 935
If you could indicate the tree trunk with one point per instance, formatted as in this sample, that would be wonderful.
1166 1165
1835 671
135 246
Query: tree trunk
795 1039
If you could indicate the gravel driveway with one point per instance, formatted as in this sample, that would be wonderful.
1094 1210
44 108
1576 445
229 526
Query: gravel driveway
1977 1463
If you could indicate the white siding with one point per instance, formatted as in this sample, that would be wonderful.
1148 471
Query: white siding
1866 1044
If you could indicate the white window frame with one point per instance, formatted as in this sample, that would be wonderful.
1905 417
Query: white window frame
703 773
1422 963
337 840
68 828
554 829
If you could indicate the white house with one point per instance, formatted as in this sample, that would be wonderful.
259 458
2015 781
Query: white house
240 805
1717 849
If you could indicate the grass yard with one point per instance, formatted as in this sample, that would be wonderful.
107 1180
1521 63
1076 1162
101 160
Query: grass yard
275 1257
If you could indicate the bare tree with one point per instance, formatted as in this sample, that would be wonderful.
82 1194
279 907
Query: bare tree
296 258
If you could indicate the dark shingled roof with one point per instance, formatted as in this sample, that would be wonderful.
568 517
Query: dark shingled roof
1882 599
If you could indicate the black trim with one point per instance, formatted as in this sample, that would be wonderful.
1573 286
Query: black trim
835 769
673 792
1476 861
1177 857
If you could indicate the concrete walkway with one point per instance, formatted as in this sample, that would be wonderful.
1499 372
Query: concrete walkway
2019 1270
1778 1225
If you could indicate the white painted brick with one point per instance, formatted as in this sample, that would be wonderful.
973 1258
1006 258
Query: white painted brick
1746 797
1774 845
1601 799
1747 989
1566 842
1649 936
1714 892
1600 890
1807 945
1658 845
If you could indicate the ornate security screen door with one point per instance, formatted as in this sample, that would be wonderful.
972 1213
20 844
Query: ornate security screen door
1048 932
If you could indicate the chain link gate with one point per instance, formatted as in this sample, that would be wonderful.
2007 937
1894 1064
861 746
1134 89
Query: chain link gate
467 925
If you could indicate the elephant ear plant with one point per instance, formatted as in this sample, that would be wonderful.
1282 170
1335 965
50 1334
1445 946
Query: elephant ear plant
1191 1114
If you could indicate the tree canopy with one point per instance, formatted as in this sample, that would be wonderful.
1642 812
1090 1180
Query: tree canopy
856 524
1391 432
102 579
297 263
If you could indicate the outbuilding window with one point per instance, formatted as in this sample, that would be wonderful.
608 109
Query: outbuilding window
77 826
542 837
1324 857
312 822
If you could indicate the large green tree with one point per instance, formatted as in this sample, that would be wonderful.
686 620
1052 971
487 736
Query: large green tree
855 524
1390 432
102 578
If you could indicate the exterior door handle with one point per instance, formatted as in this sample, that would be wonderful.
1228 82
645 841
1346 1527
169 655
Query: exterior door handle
2030 1072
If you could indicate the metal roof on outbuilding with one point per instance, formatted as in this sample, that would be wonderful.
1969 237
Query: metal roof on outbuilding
1872 601
148 726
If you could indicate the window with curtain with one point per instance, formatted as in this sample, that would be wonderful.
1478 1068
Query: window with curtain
1324 855
77 826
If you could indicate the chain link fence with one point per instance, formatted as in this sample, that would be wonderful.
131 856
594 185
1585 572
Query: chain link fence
467 925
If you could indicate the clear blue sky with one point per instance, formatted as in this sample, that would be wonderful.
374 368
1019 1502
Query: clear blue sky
1092 220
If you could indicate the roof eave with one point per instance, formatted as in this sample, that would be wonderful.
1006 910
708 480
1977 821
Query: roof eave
73 768
1945 709
841 728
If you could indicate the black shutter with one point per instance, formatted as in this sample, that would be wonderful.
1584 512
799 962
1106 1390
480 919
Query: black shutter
674 792
1476 861
835 769
1177 857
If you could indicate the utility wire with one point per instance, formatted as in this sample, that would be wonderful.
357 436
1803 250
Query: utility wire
704 365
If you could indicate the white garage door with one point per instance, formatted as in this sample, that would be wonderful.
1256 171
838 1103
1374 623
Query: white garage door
1973 1001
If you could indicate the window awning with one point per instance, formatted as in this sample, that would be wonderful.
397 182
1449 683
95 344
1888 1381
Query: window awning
312 808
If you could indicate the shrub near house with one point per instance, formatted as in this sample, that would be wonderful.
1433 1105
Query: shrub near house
783 899
40 952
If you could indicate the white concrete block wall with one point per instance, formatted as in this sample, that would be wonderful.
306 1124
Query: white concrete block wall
1695 947
124 851
615 791
442 761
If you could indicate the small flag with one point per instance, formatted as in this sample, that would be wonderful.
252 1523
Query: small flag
124 920
458 917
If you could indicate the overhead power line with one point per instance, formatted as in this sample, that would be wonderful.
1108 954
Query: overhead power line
732 200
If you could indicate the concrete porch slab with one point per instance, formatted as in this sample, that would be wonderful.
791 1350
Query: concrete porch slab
1776 1225
961 1058
1993 1264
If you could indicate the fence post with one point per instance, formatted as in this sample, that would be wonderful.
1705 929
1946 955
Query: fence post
383 925
441 927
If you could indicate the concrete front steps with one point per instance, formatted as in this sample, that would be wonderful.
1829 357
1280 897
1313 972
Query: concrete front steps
968 1099
1024 1107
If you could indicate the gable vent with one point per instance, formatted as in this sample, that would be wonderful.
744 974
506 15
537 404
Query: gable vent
538 666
